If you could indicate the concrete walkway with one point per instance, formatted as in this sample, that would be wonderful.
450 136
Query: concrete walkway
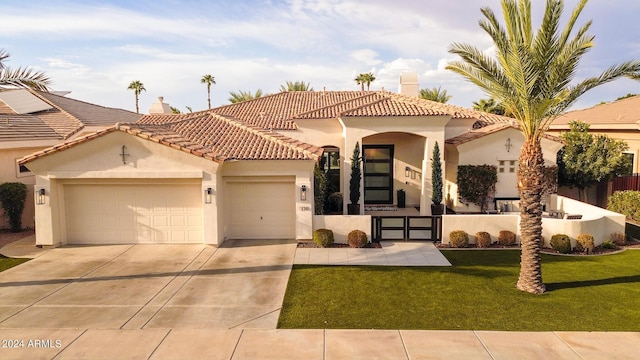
240 344
392 253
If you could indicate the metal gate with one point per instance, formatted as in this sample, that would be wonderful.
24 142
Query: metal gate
427 228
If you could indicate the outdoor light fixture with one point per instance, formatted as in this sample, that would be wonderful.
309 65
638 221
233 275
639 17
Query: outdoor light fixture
208 192
40 197
507 145
303 192
407 172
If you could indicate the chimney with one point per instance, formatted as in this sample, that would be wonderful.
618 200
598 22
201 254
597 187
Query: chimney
160 107
409 84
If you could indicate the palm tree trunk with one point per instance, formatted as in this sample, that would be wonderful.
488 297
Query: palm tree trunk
530 176
137 108
209 96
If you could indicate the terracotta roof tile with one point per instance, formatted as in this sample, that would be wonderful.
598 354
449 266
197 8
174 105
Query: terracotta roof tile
487 130
625 112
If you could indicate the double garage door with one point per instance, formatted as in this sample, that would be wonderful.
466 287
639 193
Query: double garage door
137 213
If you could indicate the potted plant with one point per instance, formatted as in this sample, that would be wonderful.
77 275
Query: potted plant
437 208
354 184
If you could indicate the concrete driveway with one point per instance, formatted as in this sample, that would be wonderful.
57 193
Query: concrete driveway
237 286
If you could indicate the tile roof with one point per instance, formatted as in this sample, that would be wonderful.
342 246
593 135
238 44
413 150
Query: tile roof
625 112
279 111
488 130
66 118
213 137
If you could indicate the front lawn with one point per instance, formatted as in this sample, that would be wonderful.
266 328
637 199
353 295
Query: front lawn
595 293
7 263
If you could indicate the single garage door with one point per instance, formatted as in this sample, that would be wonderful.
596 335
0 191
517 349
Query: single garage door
261 210
123 214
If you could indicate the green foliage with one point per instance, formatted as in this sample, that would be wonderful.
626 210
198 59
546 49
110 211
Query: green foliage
561 243
296 86
483 239
476 183
459 239
618 238
319 189
626 203
21 77
436 175
365 79
12 198
506 237
626 96
488 106
435 94
334 202
356 175
608 244
357 238
236 97
588 159
323 237
585 243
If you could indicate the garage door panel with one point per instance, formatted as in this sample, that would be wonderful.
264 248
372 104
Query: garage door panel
133 213
261 210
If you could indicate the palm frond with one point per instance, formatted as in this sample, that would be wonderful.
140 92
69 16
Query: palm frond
24 78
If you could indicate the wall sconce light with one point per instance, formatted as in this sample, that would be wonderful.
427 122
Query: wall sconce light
507 144
303 192
40 197
407 172
208 195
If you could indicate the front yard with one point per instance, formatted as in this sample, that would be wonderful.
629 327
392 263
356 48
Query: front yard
594 293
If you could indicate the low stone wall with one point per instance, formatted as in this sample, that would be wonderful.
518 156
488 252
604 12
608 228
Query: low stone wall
341 225
472 224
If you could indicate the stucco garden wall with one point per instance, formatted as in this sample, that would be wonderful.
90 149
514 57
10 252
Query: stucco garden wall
472 224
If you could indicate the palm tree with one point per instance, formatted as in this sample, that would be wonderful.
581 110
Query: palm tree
365 78
435 94
296 86
137 88
209 80
489 106
21 77
531 74
240 96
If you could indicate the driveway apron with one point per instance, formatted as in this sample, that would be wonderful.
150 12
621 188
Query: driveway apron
238 285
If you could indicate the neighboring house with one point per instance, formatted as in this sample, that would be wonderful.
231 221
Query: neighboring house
620 120
33 120
246 170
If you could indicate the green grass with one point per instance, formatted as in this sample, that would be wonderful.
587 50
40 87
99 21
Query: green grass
7 263
596 293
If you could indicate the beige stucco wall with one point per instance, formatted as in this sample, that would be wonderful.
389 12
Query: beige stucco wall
342 225
489 150
472 224
9 173
98 161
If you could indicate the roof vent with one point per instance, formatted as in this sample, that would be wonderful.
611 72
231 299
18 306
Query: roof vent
160 107
409 84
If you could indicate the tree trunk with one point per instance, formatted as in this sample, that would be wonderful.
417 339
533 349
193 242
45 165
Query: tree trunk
530 186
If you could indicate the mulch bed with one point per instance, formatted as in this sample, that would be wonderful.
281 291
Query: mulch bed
7 237
311 244
633 244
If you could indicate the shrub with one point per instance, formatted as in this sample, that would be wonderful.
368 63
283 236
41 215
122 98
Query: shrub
319 190
334 202
618 238
357 238
483 239
585 242
626 203
477 183
12 198
459 239
323 237
506 237
561 243
608 244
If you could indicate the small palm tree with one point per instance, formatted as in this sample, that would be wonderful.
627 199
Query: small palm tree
296 86
137 88
435 94
531 74
489 106
240 96
365 78
21 77
209 80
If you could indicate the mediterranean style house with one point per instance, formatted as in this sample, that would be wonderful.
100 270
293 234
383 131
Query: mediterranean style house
245 170
33 120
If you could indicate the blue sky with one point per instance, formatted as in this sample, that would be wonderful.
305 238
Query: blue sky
96 48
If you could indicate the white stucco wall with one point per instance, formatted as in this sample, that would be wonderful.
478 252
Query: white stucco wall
472 224
342 225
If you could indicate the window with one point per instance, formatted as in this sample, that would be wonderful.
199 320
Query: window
378 174
507 166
